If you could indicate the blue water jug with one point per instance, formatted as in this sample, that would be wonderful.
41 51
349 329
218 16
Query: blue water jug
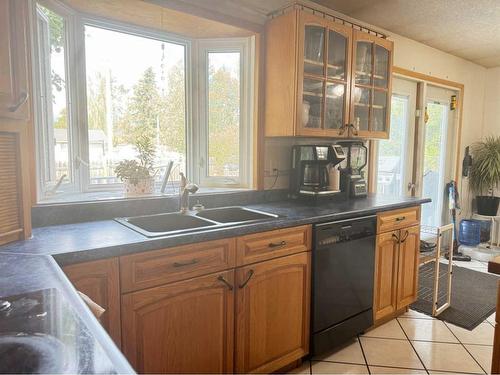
470 232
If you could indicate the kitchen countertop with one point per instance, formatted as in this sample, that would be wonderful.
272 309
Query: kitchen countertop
34 264
81 242
86 347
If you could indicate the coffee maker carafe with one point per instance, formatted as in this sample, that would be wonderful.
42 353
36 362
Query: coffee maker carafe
311 168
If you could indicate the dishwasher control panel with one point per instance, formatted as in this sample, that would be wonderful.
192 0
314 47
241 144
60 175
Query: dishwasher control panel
344 231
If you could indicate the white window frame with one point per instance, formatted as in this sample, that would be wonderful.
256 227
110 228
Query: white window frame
196 69
243 46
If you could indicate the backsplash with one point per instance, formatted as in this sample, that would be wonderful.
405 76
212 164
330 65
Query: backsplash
67 213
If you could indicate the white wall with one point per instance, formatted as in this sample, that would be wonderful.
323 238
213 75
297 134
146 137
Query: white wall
491 123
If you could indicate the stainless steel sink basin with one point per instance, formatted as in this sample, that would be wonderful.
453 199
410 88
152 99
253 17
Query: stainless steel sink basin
178 223
163 224
235 215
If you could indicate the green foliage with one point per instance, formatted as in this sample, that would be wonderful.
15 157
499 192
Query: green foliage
433 138
485 170
134 170
56 27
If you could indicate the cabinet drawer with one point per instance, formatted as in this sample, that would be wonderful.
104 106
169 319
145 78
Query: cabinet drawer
144 270
273 244
392 220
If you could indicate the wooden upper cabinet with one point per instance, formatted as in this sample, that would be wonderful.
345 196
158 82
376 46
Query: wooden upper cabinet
272 313
324 60
386 275
409 253
324 78
99 280
371 86
184 327
14 93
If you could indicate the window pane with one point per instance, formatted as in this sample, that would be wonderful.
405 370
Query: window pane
224 82
54 107
434 162
392 152
135 88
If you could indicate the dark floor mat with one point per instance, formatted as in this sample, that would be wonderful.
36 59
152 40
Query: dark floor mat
473 295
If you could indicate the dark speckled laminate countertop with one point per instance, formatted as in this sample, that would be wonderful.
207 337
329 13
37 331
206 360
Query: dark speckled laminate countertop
31 265
80 242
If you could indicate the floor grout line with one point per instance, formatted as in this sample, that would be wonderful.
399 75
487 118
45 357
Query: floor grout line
364 356
463 345
411 344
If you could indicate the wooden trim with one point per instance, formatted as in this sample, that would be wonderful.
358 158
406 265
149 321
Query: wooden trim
447 84
259 112
210 14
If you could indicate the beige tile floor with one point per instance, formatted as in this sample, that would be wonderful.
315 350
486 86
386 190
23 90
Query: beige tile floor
413 343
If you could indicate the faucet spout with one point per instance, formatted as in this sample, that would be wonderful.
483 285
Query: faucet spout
185 188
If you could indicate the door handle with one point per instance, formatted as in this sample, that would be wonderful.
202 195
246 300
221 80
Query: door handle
225 282
406 236
411 186
395 236
22 99
250 274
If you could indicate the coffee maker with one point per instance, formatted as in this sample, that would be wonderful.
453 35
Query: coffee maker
311 165
352 179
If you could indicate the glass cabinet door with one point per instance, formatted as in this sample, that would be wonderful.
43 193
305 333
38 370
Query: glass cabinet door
370 95
325 87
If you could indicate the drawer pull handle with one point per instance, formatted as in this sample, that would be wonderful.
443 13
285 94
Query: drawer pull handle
250 274
225 282
406 236
184 264
401 218
273 245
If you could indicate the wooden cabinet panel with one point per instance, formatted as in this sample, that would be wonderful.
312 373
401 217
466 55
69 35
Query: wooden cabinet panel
13 59
100 281
11 193
184 327
268 245
144 270
272 313
386 274
409 252
397 219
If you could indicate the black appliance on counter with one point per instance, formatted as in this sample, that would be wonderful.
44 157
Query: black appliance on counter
342 290
310 169
352 180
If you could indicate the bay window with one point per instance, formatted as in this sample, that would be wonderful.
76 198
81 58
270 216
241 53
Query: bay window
101 85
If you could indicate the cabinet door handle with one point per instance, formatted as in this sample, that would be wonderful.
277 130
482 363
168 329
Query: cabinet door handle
188 263
343 129
224 281
406 236
395 236
22 99
354 130
274 245
401 218
250 274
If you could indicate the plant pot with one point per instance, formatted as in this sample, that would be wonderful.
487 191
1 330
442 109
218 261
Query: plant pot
487 205
142 186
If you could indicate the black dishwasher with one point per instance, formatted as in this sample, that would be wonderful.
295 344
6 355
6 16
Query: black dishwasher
342 292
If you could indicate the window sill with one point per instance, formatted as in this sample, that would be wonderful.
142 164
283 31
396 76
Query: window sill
117 195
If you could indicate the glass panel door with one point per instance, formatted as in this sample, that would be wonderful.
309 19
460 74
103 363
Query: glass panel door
395 155
435 148
314 48
312 103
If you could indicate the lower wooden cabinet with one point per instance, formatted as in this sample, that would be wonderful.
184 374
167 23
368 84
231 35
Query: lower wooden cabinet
184 327
100 281
396 270
272 313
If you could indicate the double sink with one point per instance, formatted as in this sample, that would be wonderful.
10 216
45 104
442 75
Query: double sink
179 223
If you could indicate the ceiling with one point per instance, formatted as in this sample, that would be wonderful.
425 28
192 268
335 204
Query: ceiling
466 28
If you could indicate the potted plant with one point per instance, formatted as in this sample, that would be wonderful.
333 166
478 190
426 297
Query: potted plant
485 174
138 175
